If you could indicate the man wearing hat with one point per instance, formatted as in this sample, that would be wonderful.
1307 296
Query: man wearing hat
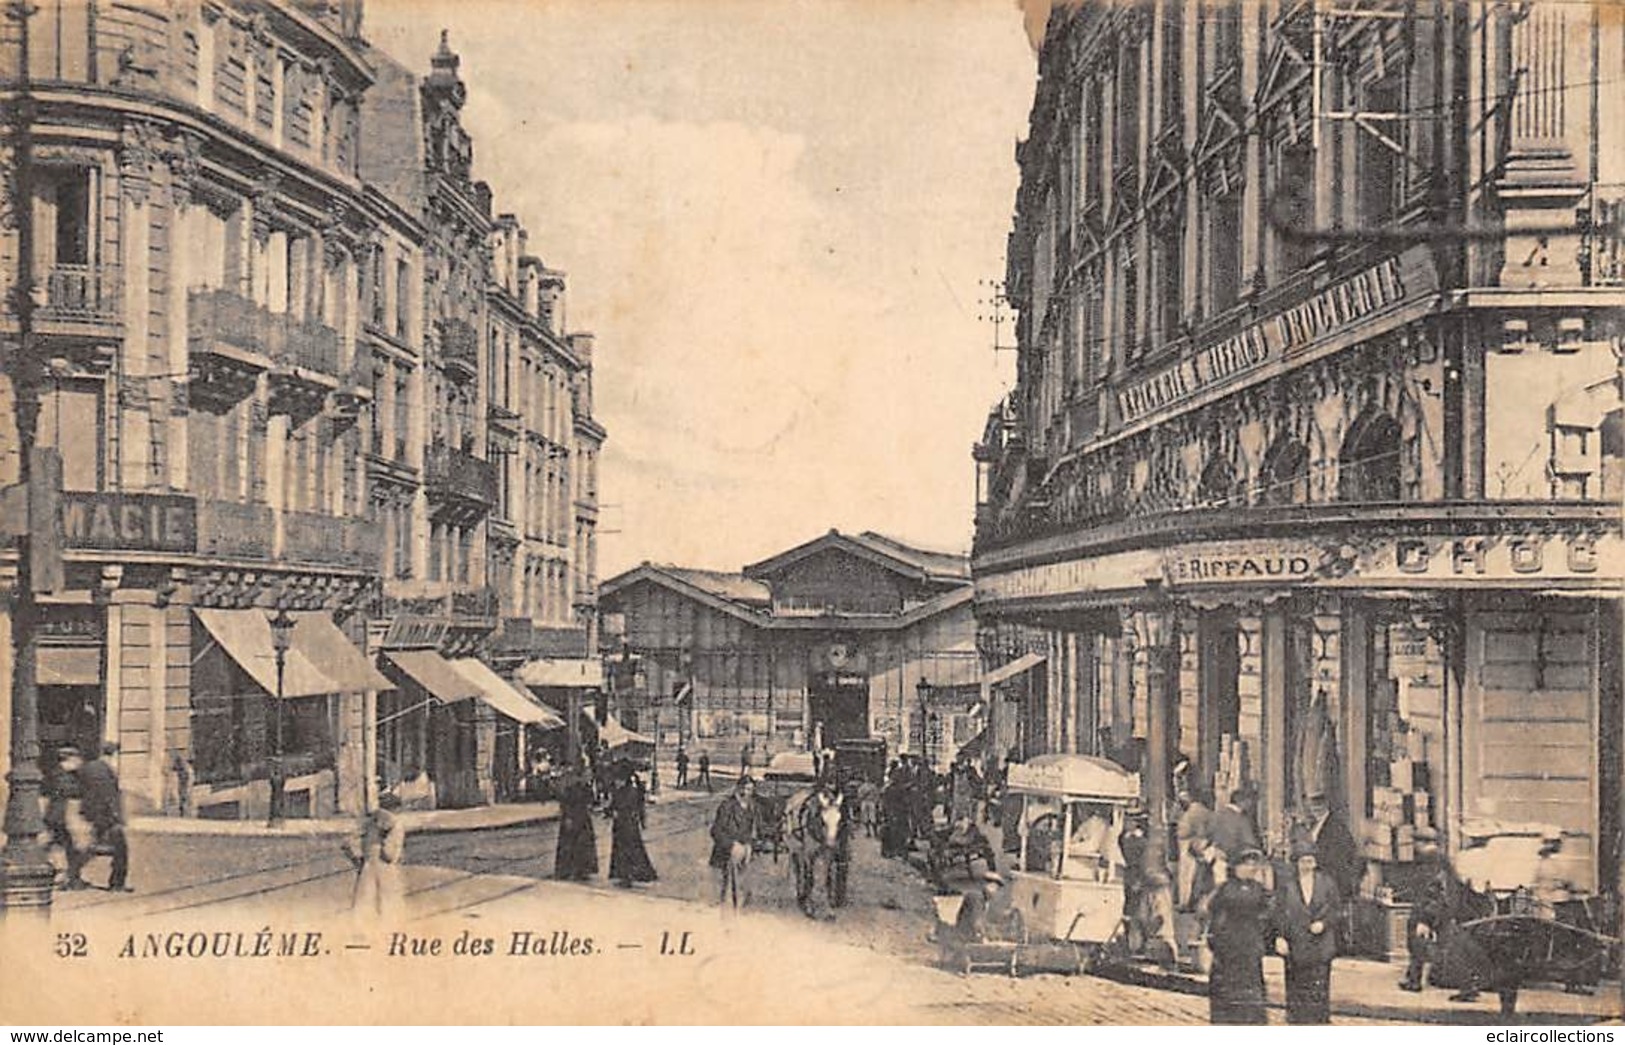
1307 906
981 912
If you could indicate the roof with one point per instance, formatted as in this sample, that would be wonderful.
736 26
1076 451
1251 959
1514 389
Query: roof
756 613
735 587
887 552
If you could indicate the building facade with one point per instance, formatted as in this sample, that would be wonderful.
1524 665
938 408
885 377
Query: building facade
271 389
1312 469
844 636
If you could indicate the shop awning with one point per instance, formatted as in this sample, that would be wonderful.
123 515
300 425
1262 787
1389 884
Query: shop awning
245 635
68 666
565 674
430 672
612 733
324 644
1025 662
501 694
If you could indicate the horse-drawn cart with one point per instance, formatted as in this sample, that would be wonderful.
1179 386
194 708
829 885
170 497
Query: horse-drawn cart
787 773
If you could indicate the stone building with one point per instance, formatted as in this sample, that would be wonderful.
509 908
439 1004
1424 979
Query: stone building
268 382
1313 465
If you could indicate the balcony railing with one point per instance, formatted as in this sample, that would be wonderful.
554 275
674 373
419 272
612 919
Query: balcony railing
452 474
460 346
222 317
350 543
82 294
1602 259
234 530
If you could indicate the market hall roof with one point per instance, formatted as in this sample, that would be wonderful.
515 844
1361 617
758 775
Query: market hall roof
916 563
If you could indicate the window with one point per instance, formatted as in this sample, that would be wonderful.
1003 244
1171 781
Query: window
64 194
1223 217
402 412
1380 169
71 421
1369 468
1284 477
1126 144
1292 185
1172 81
403 299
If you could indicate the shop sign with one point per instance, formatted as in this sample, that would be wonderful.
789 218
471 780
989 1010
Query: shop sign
1579 556
1123 570
129 522
1333 309
71 626
1261 564
1409 651
408 631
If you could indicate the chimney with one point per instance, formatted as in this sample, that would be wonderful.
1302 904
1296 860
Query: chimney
581 346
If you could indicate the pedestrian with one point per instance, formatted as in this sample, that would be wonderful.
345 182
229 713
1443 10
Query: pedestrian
62 788
744 760
894 818
102 803
628 859
576 858
705 770
377 856
733 829
682 768
983 913
1193 834
1307 907
1239 911
1432 912
1232 833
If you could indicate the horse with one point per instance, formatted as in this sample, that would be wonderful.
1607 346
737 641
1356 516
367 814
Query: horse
812 822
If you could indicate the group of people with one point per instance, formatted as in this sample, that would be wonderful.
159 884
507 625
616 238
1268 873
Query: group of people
702 777
576 857
912 793
94 785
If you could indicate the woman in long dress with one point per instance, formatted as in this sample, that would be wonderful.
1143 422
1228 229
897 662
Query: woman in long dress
628 859
576 858
379 887
1239 912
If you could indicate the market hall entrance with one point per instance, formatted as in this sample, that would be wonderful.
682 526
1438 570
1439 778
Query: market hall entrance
838 707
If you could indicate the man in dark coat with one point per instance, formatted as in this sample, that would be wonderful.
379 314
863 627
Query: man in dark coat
61 788
102 804
1307 906
576 858
628 858
732 831
1231 829
682 768
1430 916
1239 912
705 770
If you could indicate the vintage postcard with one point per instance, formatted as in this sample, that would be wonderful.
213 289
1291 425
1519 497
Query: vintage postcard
967 512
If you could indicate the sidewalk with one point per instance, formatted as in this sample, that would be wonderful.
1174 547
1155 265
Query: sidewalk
428 821
1369 989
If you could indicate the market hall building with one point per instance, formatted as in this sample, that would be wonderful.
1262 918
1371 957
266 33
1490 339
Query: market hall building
1336 516
843 636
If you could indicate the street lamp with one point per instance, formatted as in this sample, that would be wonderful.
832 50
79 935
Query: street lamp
924 688
1155 631
282 627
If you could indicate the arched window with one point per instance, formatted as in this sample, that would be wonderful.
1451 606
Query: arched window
1217 484
1284 479
1369 464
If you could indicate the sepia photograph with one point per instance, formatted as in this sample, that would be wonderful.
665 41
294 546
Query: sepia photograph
726 513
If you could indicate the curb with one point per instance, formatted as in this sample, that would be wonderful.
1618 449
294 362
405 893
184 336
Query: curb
329 828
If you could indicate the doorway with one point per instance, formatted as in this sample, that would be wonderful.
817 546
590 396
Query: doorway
840 705
1219 655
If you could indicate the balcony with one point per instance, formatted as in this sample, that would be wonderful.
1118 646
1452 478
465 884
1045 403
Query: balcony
85 299
233 340
458 483
232 530
459 349
326 540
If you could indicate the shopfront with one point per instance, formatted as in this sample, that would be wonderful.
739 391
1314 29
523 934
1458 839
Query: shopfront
1411 678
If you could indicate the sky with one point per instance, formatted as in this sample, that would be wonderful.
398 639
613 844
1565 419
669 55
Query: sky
777 216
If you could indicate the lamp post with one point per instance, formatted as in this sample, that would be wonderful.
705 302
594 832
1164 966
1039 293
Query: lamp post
923 687
281 638
1155 632
26 873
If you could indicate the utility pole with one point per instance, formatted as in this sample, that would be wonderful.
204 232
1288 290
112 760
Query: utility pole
26 873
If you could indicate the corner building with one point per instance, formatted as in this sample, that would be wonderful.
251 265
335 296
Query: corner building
262 273
1296 480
